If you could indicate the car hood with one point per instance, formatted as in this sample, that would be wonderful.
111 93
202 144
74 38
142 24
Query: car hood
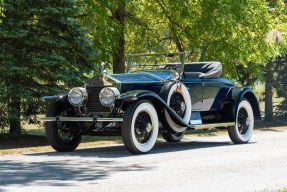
135 77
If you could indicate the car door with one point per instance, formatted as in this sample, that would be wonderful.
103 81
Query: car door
195 88
210 90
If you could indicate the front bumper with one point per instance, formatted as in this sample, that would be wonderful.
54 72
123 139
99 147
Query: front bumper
80 119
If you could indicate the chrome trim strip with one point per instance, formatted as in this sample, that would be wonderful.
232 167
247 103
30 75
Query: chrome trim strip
213 125
80 119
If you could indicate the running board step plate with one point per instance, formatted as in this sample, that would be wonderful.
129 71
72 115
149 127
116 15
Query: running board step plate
213 125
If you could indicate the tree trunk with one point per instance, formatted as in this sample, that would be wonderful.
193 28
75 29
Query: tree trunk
119 52
268 92
14 116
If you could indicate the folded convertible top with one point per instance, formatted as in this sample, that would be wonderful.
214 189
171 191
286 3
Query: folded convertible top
210 69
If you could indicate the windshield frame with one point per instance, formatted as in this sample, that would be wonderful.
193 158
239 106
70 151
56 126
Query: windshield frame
181 62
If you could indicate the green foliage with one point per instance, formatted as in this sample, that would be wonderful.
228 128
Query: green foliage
231 32
97 17
43 50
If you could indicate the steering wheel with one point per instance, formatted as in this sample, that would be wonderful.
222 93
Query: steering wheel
171 67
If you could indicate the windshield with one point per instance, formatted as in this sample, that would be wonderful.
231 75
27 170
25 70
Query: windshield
156 61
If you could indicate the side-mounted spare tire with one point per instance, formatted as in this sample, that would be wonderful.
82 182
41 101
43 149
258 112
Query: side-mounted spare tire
176 95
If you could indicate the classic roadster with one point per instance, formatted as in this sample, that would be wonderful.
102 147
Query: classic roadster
149 99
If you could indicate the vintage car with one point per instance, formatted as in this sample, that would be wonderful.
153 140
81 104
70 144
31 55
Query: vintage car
149 99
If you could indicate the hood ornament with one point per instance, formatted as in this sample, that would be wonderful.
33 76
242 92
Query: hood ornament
103 68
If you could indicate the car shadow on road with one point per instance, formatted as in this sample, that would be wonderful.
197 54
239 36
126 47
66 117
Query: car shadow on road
119 151
60 172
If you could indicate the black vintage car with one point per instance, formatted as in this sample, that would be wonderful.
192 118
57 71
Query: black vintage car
166 98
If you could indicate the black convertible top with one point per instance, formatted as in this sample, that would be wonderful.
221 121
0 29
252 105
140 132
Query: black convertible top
210 69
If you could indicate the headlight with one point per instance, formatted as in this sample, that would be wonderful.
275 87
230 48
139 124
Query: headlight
108 96
78 96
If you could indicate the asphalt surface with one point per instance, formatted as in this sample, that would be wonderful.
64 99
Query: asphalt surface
197 164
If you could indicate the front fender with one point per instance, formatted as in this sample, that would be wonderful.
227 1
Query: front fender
60 97
245 93
155 99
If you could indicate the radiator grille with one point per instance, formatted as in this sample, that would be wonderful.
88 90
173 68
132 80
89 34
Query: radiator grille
94 104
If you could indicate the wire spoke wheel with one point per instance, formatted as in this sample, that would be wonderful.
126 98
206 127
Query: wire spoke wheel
177 103
62 136
64 129
243 121
143 126
140 127
244 124
177 97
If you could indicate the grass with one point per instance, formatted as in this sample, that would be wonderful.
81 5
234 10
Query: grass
34 139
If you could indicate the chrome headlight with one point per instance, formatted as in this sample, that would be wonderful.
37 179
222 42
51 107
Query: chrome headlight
108 96
78 96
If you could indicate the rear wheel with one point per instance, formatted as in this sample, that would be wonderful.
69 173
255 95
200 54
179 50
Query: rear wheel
242 131
140 127
62 136
170 137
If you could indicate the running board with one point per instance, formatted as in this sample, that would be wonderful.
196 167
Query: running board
81 119
213 125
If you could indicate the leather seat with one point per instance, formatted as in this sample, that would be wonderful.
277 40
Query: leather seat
210 69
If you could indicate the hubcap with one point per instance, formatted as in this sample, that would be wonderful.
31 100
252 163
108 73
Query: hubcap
148 127
182 106
143 127
243 121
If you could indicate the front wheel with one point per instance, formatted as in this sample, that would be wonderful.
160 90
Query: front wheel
140 127
242 131
62 136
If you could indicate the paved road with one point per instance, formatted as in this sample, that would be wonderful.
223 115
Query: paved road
197 164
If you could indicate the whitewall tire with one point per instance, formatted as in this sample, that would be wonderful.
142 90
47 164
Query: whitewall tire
140 127
242 131
167 121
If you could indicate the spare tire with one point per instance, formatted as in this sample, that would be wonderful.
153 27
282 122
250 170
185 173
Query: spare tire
179 100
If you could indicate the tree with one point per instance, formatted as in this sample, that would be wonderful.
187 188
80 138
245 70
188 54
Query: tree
280 81
43 50
275 38
224 30
207 29
106 23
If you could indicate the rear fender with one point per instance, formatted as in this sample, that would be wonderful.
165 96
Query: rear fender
239 94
